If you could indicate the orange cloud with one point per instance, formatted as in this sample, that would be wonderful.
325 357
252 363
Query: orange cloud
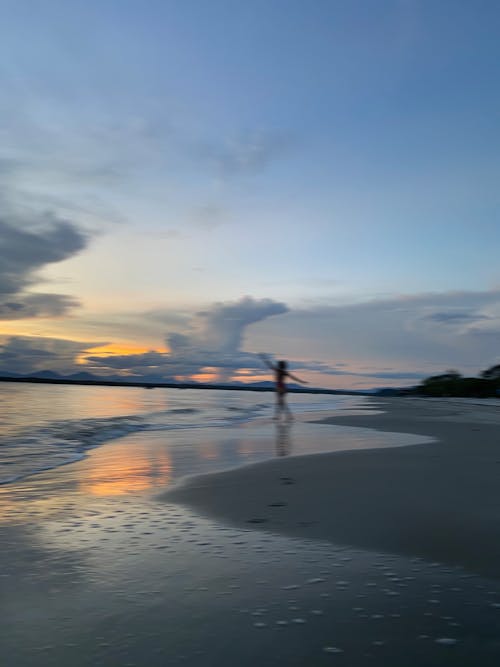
119 348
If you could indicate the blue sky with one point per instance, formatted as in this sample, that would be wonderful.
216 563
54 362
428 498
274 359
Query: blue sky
336 159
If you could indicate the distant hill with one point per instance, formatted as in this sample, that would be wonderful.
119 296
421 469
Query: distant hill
85 378
82 376
45 375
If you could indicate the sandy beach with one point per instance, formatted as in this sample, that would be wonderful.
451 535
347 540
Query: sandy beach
382 556
438 500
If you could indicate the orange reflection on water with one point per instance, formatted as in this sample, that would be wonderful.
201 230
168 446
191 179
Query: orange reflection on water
246 448
103 401
137 471
209 450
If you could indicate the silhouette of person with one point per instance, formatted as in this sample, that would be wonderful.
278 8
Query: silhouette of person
280 375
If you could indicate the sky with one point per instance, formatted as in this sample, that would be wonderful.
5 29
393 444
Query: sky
184 185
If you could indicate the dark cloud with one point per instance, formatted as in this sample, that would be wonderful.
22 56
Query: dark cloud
455 317
28 354
25 248
147 360
393 375
37 305
183 363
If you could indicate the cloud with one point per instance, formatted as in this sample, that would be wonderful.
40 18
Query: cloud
90 149
81 161
37 305
28 354
208 216
25 248
145 361
247 155
22 251
455 317
392 375
223 325
420 332
327 369
397 340
212 339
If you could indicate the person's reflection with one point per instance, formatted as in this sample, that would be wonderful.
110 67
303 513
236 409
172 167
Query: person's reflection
283 443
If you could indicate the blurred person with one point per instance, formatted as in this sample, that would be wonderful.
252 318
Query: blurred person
280 375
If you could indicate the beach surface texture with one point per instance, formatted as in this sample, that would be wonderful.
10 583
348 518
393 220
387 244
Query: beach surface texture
438 500
140 552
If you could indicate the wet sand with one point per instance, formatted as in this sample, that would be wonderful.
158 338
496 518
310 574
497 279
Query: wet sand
96 571
438 500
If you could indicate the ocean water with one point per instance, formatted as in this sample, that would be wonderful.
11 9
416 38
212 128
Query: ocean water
44 426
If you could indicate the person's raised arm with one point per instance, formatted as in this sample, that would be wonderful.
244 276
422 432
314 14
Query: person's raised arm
265 359
294 377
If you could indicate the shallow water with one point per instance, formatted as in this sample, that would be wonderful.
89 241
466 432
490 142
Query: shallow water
47 426
44 426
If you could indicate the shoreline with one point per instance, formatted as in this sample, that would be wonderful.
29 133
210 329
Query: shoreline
178 385
436 500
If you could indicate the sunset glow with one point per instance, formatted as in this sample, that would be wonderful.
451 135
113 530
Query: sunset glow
137 472
187 205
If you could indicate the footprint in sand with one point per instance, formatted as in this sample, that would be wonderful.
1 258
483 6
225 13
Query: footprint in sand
287 480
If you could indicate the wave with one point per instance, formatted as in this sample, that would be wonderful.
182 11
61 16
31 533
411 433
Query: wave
26 450
58 443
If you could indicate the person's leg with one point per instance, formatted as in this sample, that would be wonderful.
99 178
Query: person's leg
276 406
279 405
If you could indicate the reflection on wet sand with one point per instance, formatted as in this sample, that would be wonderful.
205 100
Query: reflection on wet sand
149 462
209 450
283 441
109 471
139 471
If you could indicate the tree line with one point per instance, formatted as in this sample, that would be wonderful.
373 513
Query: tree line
453 383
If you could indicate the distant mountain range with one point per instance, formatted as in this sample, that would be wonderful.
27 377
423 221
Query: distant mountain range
150 381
